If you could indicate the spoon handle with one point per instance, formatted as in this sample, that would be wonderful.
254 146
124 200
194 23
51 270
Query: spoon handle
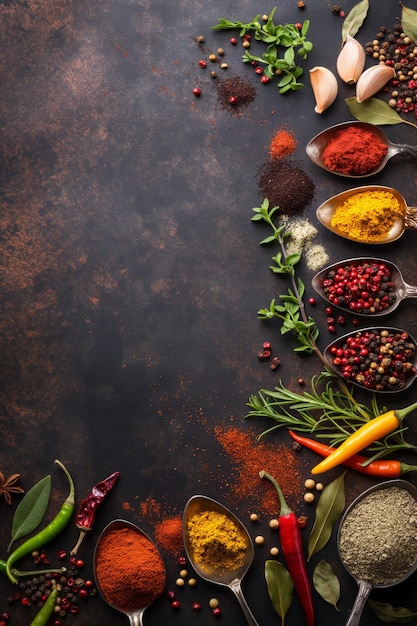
406 150
365 589
237 590
136 618
410 291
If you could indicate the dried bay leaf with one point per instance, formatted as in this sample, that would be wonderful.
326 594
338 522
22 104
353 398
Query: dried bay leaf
354 19
280 587
389 614
374 111
329 508
326 583
31 509
409 22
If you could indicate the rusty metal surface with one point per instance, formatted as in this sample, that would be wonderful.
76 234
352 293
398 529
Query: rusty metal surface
130 273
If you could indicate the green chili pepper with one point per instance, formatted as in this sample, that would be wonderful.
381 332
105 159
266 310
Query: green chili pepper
48 533
42 617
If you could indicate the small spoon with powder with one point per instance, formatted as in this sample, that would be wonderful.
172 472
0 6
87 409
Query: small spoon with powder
317 145
406 220
126 588
369 566
220 575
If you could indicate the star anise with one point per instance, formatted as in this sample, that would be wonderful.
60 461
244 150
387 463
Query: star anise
8 486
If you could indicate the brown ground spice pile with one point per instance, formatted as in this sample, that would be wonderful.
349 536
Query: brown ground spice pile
285 185
235 87
251 457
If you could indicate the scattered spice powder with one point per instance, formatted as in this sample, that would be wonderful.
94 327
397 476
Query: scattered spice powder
251 457
168 534
282 144
285 185
235 92
354 151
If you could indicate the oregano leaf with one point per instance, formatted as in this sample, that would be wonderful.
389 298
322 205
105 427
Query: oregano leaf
326 583
389 614
329 508
31 509
354 19
280 587
409 22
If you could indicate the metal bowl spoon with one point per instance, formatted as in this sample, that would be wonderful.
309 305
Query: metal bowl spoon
340 341
136 616
366 586
402 289
221 576
326 210
316 146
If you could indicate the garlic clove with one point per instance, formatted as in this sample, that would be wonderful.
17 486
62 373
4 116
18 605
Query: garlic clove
324 86
372 80
351 61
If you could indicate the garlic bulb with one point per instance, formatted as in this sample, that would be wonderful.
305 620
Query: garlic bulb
325 87
372 80
351 61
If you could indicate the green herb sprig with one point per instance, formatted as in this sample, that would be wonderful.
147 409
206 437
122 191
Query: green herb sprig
292 311
284 43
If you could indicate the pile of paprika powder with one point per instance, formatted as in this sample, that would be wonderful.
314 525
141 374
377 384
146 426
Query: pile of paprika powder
354 151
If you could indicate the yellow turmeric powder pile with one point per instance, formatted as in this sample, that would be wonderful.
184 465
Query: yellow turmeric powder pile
368 216
216 541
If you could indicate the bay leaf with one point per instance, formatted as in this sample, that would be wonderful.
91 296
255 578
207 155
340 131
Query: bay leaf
326 583
354 19
31 509
280 587
389 614
329 508
409 22
374 111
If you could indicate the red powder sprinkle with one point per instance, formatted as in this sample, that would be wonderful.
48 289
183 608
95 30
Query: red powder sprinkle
252 456
168 534
282 144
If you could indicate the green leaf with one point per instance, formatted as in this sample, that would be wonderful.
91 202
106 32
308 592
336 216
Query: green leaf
280 587
326 583
354 19
329 508
409 22
373 110
389 614
31 509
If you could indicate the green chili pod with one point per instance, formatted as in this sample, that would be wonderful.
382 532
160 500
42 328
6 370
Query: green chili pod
48 533
43 615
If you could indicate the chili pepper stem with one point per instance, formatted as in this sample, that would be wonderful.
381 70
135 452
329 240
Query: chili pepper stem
401 413
81 536
285 509
71 495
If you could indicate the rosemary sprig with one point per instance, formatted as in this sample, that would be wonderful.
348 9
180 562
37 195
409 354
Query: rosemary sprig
329 414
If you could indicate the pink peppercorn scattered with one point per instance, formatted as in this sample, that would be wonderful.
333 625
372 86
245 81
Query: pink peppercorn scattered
196 606
197 92
202 63
175 604
265 80
233 41
217 611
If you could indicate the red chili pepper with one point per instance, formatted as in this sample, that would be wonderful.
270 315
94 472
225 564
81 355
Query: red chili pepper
88 506
292 549
382 468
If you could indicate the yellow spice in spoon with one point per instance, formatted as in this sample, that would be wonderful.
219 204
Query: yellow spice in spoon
367 216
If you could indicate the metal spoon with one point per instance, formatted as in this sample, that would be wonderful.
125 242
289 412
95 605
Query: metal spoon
136 616
316 146
326 210
366 586
402 289
228 578
329 356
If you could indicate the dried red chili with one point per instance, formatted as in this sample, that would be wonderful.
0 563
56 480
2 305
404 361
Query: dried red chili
87 510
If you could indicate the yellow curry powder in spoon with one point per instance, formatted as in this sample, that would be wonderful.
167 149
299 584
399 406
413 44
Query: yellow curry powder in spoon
368 215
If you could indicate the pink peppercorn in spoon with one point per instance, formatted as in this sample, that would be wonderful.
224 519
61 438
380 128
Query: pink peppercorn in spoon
320 142
363 286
